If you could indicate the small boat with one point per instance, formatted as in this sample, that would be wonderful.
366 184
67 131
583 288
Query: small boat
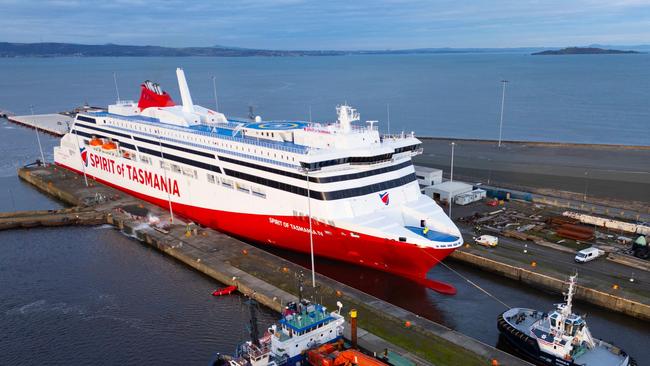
560 338
304 325
225 291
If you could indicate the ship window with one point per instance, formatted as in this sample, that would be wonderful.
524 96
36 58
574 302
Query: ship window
226 183
176 168
211 178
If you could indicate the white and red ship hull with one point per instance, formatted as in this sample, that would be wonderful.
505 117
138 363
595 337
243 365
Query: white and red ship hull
282 231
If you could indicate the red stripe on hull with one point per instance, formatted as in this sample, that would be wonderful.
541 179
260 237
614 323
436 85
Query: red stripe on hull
290 232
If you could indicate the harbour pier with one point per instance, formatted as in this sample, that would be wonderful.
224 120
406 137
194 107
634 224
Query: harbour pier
267 278
56 124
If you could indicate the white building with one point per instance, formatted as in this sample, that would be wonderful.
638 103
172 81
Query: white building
447 190
428 176
469 197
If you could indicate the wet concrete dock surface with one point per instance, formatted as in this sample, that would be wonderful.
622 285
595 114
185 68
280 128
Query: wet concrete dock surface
595 171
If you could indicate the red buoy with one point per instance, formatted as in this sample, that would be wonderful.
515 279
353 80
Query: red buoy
225 291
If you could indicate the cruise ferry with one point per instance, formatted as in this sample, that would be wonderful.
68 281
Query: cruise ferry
270 182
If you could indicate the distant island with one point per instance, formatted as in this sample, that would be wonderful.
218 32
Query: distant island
583 51
53 49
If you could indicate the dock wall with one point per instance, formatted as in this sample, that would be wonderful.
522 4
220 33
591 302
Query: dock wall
605 300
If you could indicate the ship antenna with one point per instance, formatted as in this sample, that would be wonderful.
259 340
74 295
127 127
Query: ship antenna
117 90
214 89
388 117
569 295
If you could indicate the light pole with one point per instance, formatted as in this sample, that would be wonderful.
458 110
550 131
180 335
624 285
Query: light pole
38 138
164 168
503 100
311 234
584 198
451 175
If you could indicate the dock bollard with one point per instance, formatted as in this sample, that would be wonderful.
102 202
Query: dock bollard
353 327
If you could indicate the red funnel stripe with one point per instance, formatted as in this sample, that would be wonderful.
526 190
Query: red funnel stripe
150 99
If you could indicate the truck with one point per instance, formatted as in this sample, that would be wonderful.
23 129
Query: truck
588 254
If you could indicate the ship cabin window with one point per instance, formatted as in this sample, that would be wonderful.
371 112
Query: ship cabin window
176 168
145 159
553 319
164 165
258 192
226 183
211 179
242 187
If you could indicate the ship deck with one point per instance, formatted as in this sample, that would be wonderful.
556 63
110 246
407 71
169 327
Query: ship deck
230 131
600 356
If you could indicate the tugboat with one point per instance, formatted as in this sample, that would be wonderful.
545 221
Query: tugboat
304 325
560 338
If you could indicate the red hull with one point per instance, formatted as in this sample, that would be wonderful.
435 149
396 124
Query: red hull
392 256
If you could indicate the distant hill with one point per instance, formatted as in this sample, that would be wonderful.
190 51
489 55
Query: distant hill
582 51
8 49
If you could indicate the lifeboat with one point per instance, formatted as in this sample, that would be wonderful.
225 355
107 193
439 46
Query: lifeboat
225 291
96 142
109 145
331 355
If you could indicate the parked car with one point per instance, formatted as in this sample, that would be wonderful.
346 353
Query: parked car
487 241
588 254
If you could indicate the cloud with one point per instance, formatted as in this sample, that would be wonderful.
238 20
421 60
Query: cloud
303 24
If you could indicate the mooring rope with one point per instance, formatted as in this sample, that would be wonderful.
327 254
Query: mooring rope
468 280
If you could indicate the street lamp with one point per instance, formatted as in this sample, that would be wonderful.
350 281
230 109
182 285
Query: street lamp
503 100
38 138
451 175
311 234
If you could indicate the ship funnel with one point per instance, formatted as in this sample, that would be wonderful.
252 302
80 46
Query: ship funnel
186 98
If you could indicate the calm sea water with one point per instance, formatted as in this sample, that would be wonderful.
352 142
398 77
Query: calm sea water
587 98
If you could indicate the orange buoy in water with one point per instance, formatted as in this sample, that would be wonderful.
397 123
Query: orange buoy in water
407 324
244 252
495 362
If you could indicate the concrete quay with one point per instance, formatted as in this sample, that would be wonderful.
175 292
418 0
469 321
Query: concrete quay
614 176
68 216
601 282
266 277
52 123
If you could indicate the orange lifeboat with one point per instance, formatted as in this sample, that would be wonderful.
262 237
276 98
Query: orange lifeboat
331 355
354 357
96 142
109 145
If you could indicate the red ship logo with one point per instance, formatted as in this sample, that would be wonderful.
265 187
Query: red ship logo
84 155
384 198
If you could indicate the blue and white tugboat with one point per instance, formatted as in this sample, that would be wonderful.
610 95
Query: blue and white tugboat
560 338
304 325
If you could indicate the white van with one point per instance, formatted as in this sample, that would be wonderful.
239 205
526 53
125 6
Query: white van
487 241
588 254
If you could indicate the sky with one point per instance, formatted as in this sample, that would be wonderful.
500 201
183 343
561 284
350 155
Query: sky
329 24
